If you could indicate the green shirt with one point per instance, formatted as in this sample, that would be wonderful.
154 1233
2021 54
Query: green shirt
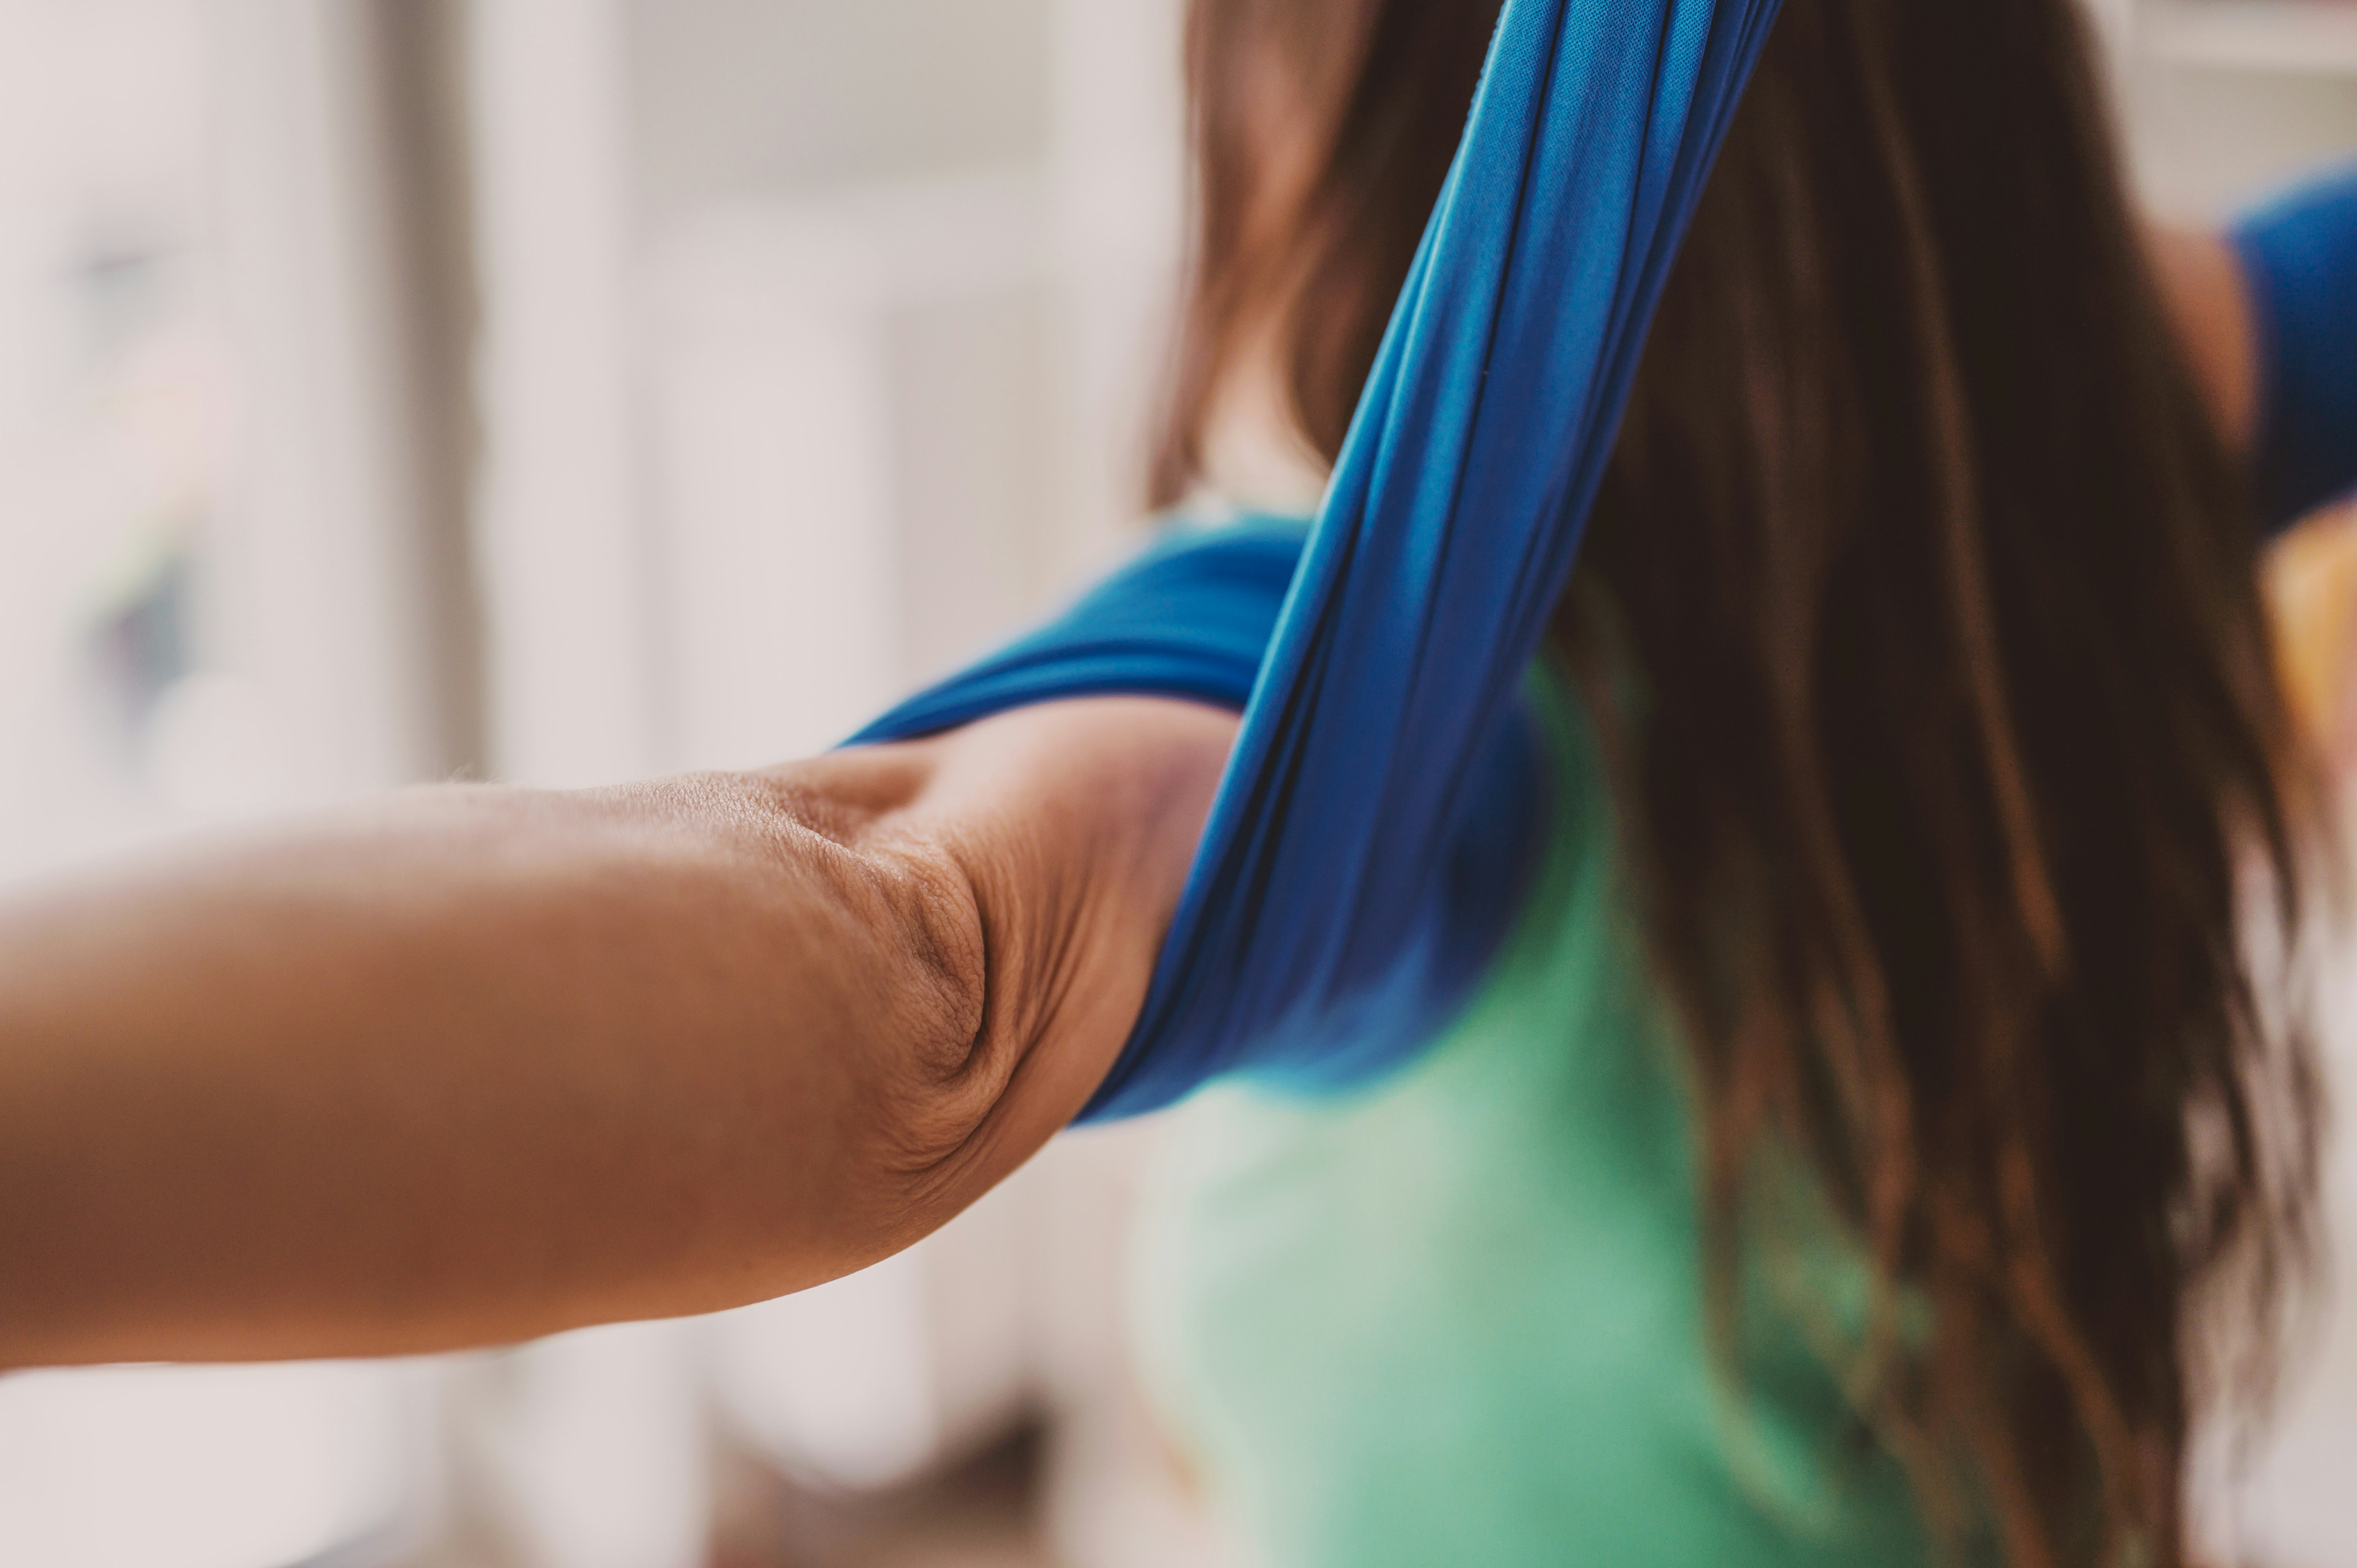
1458 1317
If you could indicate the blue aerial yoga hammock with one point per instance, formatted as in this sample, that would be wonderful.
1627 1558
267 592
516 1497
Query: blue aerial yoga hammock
1363 857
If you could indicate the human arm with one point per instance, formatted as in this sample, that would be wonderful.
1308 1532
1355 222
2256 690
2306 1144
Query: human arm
2202 283
473 1065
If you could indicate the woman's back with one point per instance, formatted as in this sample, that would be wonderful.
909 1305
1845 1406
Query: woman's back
1459 1316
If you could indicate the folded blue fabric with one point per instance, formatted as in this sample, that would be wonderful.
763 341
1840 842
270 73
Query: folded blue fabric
1361 859
2299 257
1193 619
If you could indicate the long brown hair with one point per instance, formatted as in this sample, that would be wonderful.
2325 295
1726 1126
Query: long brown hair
1920 617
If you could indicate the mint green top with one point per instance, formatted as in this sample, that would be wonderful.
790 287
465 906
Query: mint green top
1458 1318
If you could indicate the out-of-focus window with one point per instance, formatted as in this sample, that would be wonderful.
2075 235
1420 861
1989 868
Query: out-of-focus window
137 695
117 400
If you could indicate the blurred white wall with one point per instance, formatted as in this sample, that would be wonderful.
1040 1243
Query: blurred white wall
907 267
211 604
575 661
2224 99
794 97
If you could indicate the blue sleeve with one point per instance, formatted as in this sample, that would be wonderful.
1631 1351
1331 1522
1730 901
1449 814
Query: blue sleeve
2298 254
1190 618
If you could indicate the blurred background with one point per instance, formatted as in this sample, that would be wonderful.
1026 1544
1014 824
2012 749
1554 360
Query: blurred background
557 390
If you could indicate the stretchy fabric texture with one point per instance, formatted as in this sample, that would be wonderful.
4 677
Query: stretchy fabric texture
2299 253
1357 873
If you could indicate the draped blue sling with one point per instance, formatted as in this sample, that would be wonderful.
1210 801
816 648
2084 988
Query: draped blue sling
1365 852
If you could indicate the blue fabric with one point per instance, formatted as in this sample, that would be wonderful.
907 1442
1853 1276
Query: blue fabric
2300 258
1192 618
1348 893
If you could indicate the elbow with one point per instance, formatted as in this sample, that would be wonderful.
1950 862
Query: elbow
994 1058
944 1069
868 1057
937 1065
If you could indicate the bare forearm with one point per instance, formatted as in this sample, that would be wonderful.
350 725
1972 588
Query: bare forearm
478 1064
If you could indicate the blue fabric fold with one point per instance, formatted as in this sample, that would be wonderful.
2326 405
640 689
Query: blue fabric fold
1190 618
1362 857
